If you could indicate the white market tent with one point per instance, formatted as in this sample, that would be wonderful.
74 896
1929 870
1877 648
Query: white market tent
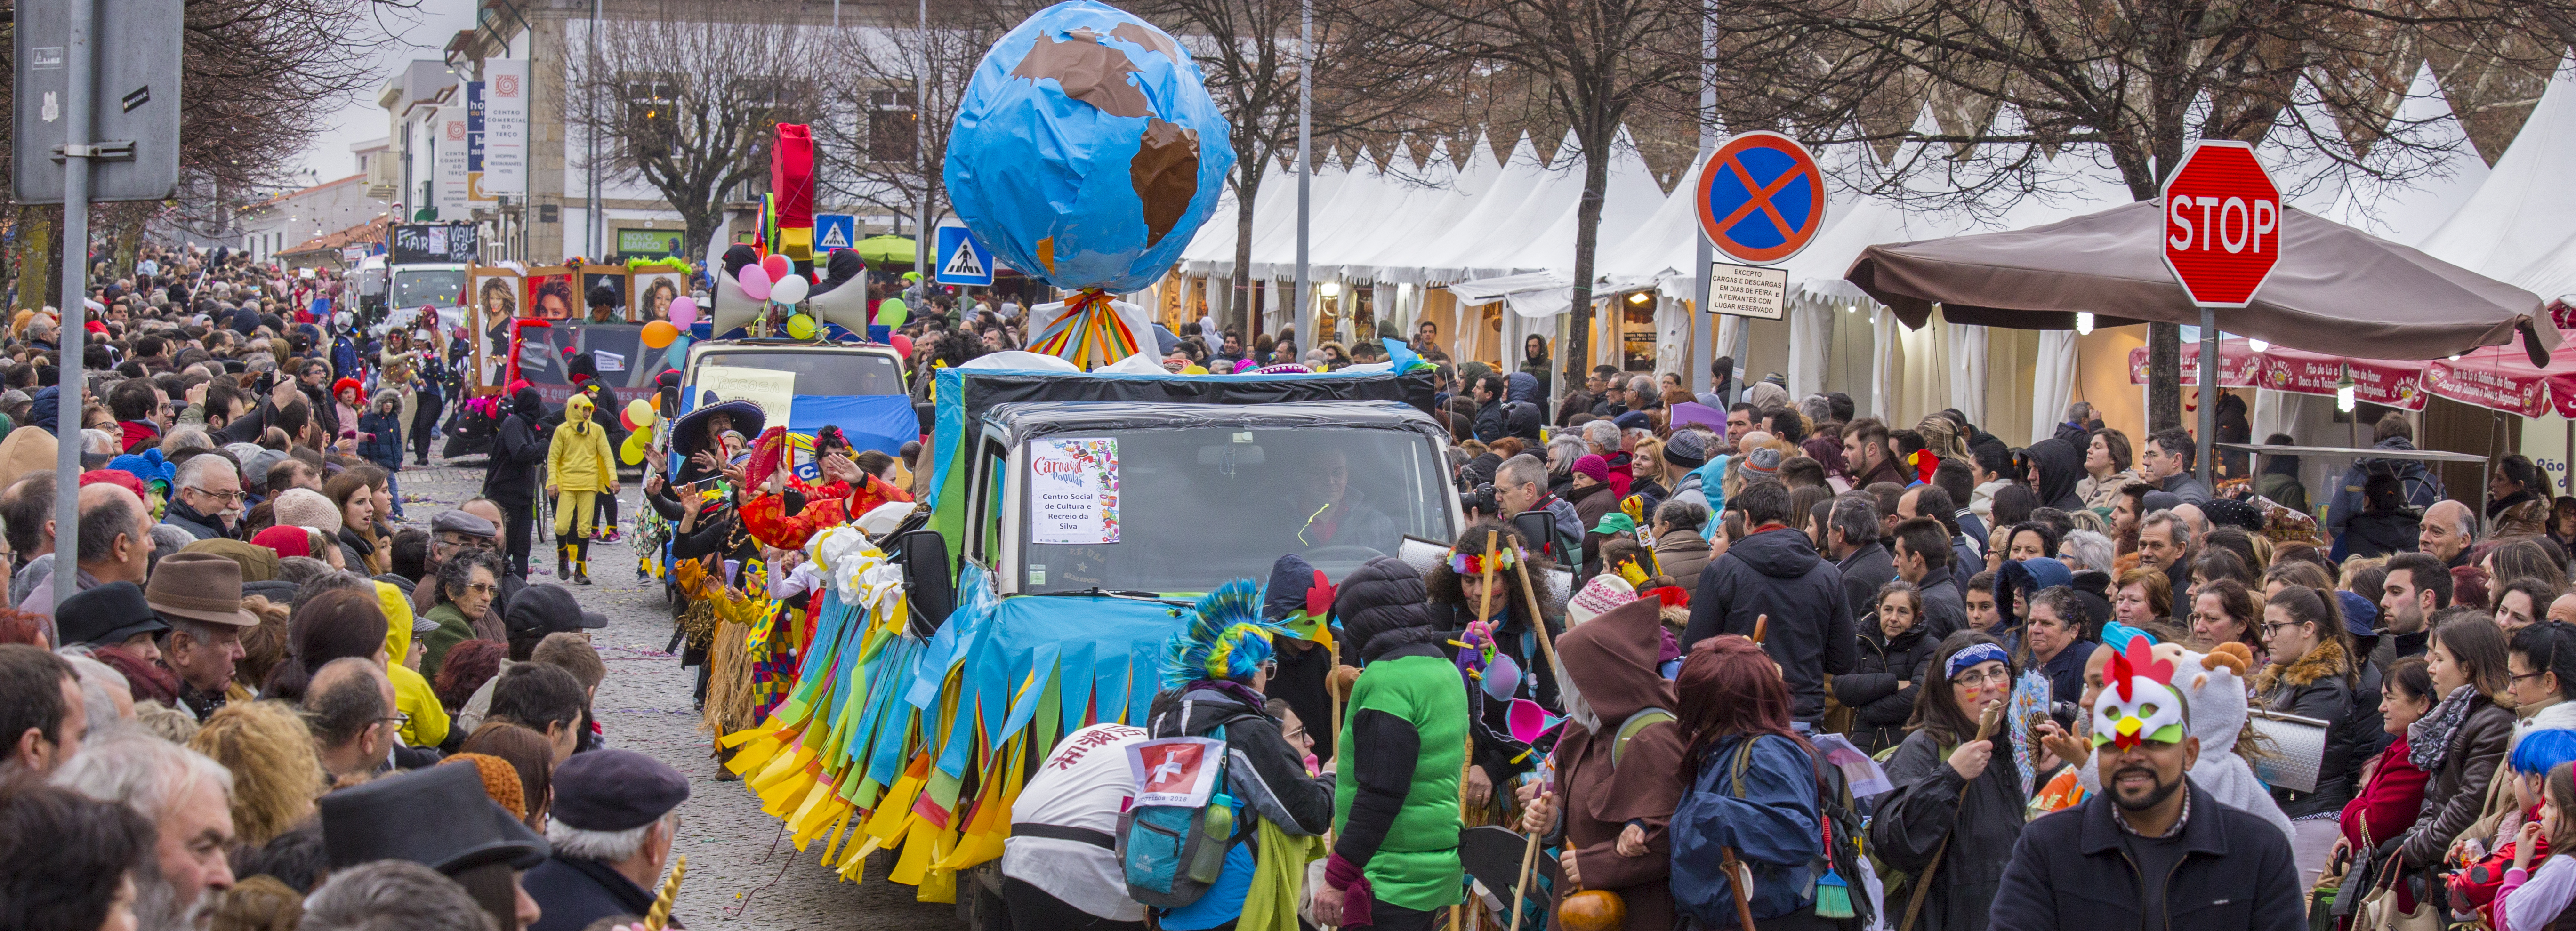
2410 209
2515 227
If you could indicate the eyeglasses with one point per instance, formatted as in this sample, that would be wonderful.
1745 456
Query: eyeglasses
226 497
1973 679
2527 675
2269 628
397 719
482 588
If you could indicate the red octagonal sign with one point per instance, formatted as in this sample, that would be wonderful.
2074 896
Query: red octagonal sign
2222 231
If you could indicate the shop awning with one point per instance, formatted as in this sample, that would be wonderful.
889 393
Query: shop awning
2500 379
2386 382
2237 363
2337 290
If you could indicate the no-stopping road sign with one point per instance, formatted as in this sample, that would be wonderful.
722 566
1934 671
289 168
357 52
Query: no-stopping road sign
1761 198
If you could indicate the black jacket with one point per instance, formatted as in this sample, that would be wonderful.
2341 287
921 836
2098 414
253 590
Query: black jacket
574 893
2070 872
1945 606
1981 819
197 525
1879 707
2314 687
1776 573
1864 571
516 451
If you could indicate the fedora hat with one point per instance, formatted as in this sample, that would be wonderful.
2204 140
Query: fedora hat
199 586
439 817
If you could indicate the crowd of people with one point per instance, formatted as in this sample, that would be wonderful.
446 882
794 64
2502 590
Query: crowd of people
267 699
2086 683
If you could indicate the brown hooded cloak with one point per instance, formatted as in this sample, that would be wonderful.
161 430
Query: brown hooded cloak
1611 660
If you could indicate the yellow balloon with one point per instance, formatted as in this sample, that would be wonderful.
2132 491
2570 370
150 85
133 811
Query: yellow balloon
800 326
642 413
633 450
660 333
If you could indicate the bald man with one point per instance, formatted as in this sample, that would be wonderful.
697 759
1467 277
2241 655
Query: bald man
115 544
2446 532
2190 513
351 706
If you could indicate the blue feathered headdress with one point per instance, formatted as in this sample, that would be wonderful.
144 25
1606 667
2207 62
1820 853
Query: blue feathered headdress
1225 639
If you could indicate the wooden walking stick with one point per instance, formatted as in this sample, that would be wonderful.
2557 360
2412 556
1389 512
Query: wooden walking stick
1521 880
1467 763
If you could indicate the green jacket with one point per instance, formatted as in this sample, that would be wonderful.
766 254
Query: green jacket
1395 800
452 629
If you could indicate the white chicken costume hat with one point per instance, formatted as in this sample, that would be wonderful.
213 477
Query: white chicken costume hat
2139 701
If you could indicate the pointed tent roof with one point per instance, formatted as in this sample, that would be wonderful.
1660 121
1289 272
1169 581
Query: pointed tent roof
2407 211
2523 208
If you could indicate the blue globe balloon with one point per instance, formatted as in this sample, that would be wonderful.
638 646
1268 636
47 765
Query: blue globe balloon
1087 151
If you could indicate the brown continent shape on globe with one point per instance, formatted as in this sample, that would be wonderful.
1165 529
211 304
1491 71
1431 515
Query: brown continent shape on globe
1165 172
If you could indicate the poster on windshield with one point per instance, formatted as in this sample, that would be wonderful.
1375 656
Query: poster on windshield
1073 487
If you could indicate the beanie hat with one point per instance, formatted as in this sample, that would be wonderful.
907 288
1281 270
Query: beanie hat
304 507
1686 449
1594 466
1764 461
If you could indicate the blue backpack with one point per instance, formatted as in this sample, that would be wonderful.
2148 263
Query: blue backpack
1788 874
1172 854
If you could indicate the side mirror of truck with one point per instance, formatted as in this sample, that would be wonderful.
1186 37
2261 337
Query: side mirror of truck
926 571
1539 529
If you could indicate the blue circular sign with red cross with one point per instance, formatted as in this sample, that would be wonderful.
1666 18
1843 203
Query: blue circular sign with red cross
1761 198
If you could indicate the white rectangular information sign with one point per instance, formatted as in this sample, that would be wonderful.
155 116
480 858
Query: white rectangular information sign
1748 290
1073 489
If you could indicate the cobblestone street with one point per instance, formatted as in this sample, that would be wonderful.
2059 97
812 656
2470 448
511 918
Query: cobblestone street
742 871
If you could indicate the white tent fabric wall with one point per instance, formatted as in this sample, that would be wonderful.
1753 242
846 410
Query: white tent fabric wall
2052 384
1968 375
1811 327
2508 227
2408 211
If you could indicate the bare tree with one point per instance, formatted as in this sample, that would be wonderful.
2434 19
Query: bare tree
689 106
889 119
259 79
2011 83
1585 64
1366 81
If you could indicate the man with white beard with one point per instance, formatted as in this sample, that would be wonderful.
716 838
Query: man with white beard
188 799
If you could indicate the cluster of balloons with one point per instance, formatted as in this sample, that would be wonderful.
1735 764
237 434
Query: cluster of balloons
638 416
774 279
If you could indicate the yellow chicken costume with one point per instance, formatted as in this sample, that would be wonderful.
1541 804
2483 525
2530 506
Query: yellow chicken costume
578 468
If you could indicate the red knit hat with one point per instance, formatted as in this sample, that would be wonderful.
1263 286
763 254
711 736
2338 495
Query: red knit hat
349 384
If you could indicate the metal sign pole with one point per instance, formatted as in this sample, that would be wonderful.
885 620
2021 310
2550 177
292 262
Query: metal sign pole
67 448
2209 365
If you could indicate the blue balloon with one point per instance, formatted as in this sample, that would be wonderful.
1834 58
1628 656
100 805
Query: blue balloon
1087 152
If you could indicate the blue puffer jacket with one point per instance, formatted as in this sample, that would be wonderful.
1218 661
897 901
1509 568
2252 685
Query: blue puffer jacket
381 438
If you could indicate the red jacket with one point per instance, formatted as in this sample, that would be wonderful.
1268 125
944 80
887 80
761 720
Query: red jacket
2388 805
137 433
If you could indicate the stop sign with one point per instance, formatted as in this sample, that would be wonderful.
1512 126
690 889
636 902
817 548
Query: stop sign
2222 223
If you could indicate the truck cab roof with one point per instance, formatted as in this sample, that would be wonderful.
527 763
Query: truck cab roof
1014 421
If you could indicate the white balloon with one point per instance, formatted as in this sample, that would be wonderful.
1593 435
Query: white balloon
789 289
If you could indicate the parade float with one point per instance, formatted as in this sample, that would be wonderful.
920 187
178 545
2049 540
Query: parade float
1078 500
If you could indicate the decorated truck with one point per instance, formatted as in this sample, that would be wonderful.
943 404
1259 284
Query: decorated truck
1071 520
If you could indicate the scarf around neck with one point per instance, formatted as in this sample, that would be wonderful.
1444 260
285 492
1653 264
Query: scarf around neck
2428 741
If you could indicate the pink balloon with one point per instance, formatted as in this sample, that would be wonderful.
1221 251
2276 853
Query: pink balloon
754 281
777 266
903 345
684 311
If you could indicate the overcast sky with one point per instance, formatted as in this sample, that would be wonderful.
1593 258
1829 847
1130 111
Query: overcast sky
420 33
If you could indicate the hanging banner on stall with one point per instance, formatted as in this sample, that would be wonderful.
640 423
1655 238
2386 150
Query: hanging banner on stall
1748 291
1761 198
1073 488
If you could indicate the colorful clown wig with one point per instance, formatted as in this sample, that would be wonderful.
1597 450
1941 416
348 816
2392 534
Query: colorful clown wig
1226 638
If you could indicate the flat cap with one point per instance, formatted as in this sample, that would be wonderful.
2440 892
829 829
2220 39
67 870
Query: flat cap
616 790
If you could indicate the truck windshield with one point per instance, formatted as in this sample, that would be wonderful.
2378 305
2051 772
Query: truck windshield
819 373
1190 509
432 287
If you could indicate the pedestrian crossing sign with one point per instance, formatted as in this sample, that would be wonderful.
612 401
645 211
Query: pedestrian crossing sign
835 231
962 260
